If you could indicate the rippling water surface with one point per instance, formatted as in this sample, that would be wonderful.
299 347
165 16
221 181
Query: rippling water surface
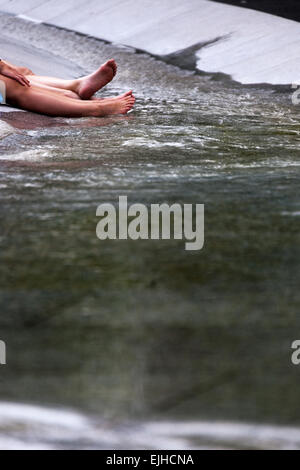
139 335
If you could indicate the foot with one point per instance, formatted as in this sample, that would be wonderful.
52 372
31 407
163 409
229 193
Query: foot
89 85
120 105
128 93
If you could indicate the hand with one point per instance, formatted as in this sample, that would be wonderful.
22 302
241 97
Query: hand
11 72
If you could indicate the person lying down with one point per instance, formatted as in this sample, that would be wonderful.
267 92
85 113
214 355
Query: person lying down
66 98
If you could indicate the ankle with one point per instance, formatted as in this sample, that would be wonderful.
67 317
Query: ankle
96 110
75 86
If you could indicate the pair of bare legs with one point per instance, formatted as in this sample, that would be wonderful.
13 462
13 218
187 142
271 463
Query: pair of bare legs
68 98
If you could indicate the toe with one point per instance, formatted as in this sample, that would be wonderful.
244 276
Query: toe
112 63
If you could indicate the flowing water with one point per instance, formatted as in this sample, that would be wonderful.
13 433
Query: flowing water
154 346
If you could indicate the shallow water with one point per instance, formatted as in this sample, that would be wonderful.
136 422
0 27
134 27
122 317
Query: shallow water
28 427
134 333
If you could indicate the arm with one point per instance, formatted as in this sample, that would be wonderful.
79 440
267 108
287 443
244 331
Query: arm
11 72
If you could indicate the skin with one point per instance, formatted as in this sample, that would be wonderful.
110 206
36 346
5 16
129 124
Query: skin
67 98
10 71
84 88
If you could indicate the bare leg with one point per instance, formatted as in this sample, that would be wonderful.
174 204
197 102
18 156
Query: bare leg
43 102
84 87
52 82
73 95
59 91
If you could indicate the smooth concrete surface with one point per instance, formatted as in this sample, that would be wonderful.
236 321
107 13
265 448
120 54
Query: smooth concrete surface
250 46
39 61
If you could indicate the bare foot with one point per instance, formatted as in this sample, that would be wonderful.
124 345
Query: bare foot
116 106
89 85
128 93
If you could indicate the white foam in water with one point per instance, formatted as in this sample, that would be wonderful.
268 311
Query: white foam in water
34 427
36 155
10 412
5 130
292 214
233 434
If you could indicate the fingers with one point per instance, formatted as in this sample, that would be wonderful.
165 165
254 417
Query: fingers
23 80
26 81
